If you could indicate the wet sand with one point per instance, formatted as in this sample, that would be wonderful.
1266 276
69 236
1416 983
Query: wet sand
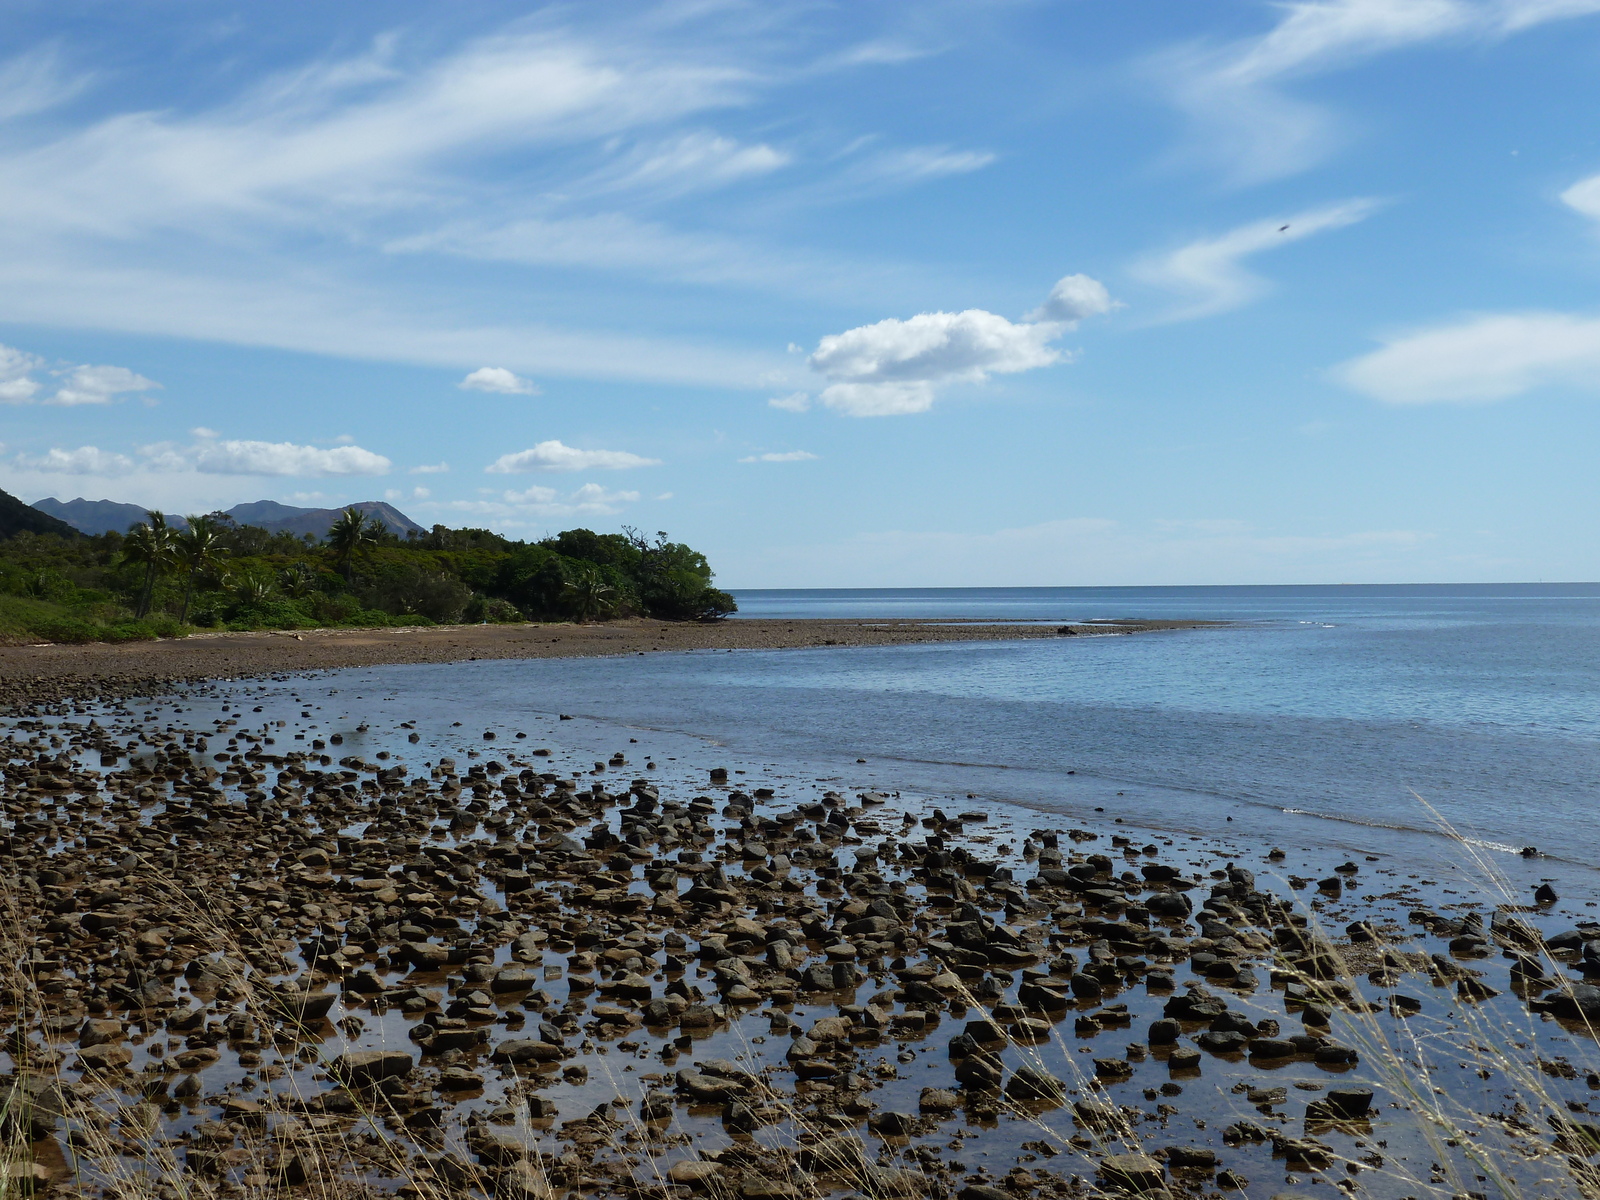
55 672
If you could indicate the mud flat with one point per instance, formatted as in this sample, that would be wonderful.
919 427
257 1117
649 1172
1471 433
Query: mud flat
53 672
241 960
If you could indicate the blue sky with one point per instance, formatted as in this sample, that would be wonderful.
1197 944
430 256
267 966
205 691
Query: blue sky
864 294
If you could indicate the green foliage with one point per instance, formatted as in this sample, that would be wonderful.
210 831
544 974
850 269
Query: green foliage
157 581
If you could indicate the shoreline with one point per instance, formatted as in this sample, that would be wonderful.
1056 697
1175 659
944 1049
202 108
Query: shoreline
825 986
55 672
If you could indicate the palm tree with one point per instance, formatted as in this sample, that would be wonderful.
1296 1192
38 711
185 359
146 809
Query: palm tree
199 549
589 594
150 545
352 535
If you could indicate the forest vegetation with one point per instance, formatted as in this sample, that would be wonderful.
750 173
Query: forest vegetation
160 581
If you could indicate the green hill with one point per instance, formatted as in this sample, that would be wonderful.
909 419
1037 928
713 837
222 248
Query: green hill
17 517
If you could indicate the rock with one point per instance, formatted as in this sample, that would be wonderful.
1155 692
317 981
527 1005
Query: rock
694 1173
1135 1172
362 1068
890 1124
1191 1156
526 1050
1341 1104
982 1191
24 1178
1163 1032
938 1100
1184 1058
656 1106
1031 1084
105 1057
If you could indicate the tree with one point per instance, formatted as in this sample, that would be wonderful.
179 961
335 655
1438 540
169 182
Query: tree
589 595
150 545
198 551
350 536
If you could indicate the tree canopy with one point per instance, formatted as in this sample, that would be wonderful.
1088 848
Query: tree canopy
153 581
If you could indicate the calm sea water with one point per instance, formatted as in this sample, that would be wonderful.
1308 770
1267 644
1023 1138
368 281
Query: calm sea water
1332 715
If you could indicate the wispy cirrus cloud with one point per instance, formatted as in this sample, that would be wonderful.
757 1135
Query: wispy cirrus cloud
1209 274
1480 359
1236 94
400 151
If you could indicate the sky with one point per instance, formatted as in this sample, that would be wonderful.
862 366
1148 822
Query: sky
987 293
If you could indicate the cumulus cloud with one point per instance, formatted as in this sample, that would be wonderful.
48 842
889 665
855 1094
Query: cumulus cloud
80 384
99 385
896 367
793 402
85 460
1482 358
554 456
499 381
440 468
1211 272
226 456
1074 298
15 385
783 456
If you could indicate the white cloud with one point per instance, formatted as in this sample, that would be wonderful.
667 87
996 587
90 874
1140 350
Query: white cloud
1074 298
99 385
896 367
779 457
210 456
34 81
1521 14
519 509
554 456
1211 272
1584 197
15 385
396 495
1482 358
1235 93
79 384
85 460
798 402
500 381
431 469
689 162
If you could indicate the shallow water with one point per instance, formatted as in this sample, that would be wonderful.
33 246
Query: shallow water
1328 715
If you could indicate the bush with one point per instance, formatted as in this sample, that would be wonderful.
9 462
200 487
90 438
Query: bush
492 611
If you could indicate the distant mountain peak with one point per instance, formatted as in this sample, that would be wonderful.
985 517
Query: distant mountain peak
106 516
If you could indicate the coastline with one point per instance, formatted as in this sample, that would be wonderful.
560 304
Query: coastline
50 673
825 985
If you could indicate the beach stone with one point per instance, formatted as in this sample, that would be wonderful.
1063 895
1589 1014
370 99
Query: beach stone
362 1068
1341 1104
1135 1172
694 1173
938 1100
982 1191
1191 1156
105 1057
1029 1083
1163 1032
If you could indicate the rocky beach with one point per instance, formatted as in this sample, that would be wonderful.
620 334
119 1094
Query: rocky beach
471 960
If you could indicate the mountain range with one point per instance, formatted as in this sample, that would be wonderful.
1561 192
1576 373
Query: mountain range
105 516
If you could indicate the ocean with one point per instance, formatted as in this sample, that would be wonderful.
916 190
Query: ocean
1358 718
